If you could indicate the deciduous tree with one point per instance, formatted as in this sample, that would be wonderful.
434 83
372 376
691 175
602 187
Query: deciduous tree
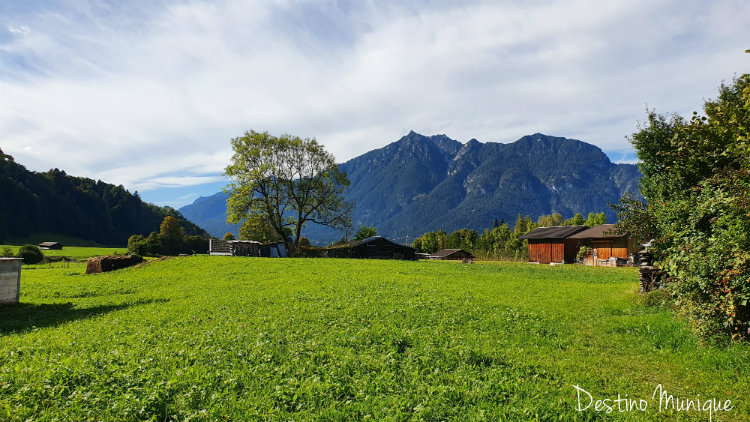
256 227
696 182
291 181
364 232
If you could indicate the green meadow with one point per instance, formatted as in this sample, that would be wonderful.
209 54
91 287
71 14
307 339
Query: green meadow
226 338
76 252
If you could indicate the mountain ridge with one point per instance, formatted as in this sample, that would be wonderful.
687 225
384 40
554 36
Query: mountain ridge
422 183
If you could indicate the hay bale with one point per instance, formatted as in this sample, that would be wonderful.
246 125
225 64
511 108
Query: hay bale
103 264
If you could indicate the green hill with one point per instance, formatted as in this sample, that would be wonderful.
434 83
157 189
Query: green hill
56 204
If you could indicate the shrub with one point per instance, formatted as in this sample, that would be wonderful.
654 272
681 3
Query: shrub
303 241
194 244
582 252
137 245
7 252
31 254
696 185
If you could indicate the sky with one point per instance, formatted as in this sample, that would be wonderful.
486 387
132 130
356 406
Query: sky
148 93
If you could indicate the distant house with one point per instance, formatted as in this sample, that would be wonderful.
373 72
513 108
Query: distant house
234 247
553 244
452 254
607 246
51 245
376 247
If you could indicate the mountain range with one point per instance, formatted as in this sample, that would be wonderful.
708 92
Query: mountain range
424 183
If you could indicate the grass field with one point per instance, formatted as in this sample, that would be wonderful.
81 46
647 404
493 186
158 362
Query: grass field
75 252
224 338
37 238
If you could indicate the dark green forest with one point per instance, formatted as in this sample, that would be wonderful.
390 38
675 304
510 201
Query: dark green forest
54 202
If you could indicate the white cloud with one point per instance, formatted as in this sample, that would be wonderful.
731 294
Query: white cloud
19 30
149 96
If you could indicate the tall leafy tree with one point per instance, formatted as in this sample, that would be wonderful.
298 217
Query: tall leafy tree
291 181
595 219
364 232
171 234
577 220
696 182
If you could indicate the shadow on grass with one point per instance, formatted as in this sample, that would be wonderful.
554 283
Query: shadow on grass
24 316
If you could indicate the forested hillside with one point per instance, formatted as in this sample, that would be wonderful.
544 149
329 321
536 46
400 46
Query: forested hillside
54 202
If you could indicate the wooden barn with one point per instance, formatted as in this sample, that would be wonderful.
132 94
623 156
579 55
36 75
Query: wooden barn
553 244
234 247
453 254
50 245
607 246
376 247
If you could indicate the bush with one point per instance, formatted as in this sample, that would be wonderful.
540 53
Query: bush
696 185
31 254
194 245
170 240
7 252
137 245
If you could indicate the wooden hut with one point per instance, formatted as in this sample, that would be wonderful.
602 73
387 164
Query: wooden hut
376 247
50 245
234 247
452 254
608 247
553 244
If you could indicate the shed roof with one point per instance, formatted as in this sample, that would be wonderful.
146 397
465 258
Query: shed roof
374 238
448 252
49 243
602 231
554 232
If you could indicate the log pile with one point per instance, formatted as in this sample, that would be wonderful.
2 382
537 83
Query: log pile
648 275
103 264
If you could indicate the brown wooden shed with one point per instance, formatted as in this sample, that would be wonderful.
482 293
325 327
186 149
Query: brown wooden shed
553 244
605 243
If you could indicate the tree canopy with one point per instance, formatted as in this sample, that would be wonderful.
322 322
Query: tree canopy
696 183
364 232
288 180
170 240
256 227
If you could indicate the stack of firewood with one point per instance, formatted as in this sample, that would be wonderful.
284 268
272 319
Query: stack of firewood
103 264
648 274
